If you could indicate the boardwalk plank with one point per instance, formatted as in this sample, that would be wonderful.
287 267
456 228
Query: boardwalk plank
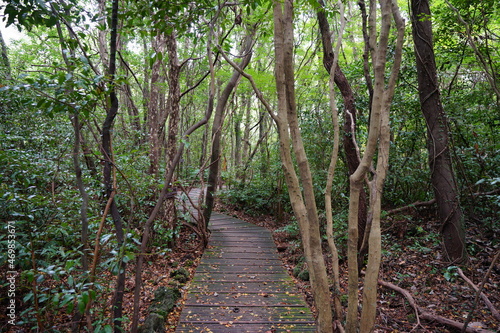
240 285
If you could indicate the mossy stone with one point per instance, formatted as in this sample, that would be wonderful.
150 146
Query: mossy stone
163 302
180 274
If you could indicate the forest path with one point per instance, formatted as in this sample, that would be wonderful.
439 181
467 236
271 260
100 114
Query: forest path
241 285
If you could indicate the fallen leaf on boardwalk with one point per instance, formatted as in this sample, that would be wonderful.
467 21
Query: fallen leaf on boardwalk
226 323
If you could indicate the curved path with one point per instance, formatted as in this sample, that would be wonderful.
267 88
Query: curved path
240 285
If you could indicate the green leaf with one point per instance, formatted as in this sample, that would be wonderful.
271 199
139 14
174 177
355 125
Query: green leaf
81 306
85 297
70 307
56 299
28 297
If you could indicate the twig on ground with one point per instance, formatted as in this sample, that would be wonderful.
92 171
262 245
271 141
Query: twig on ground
408 296
480 288
485 299
422 313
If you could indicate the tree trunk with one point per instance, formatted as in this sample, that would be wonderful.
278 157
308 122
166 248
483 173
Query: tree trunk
145 92
237 118
5 59
378 135
155 112
442 175
108 171
75 121
102 40
217 125
164 191
348 141
170 215
304 205
133 111
338 313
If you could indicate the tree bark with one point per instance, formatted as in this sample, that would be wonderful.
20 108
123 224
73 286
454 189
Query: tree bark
338 313
303 204
378 135
102 42
5 59
107 152
169 212
155 112
237 119
442 175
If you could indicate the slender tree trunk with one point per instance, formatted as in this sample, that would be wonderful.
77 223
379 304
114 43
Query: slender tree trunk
133 111
245 141
378 135
5 59
366 52
263 132
145 92
155 112
350 110
442 175
108 170
204 147
304 205
101 37
218 122
237 120
170 215
75 121
338 314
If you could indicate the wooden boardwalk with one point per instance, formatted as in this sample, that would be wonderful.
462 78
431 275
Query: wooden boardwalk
240 285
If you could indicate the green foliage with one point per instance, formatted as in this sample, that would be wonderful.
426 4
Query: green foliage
450 273
258 196
32 13
291 228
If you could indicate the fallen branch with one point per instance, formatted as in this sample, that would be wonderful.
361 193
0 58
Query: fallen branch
407 295
480 288
413 205
422 313
485 299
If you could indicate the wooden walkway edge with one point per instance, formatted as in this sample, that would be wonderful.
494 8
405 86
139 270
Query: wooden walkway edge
240 285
